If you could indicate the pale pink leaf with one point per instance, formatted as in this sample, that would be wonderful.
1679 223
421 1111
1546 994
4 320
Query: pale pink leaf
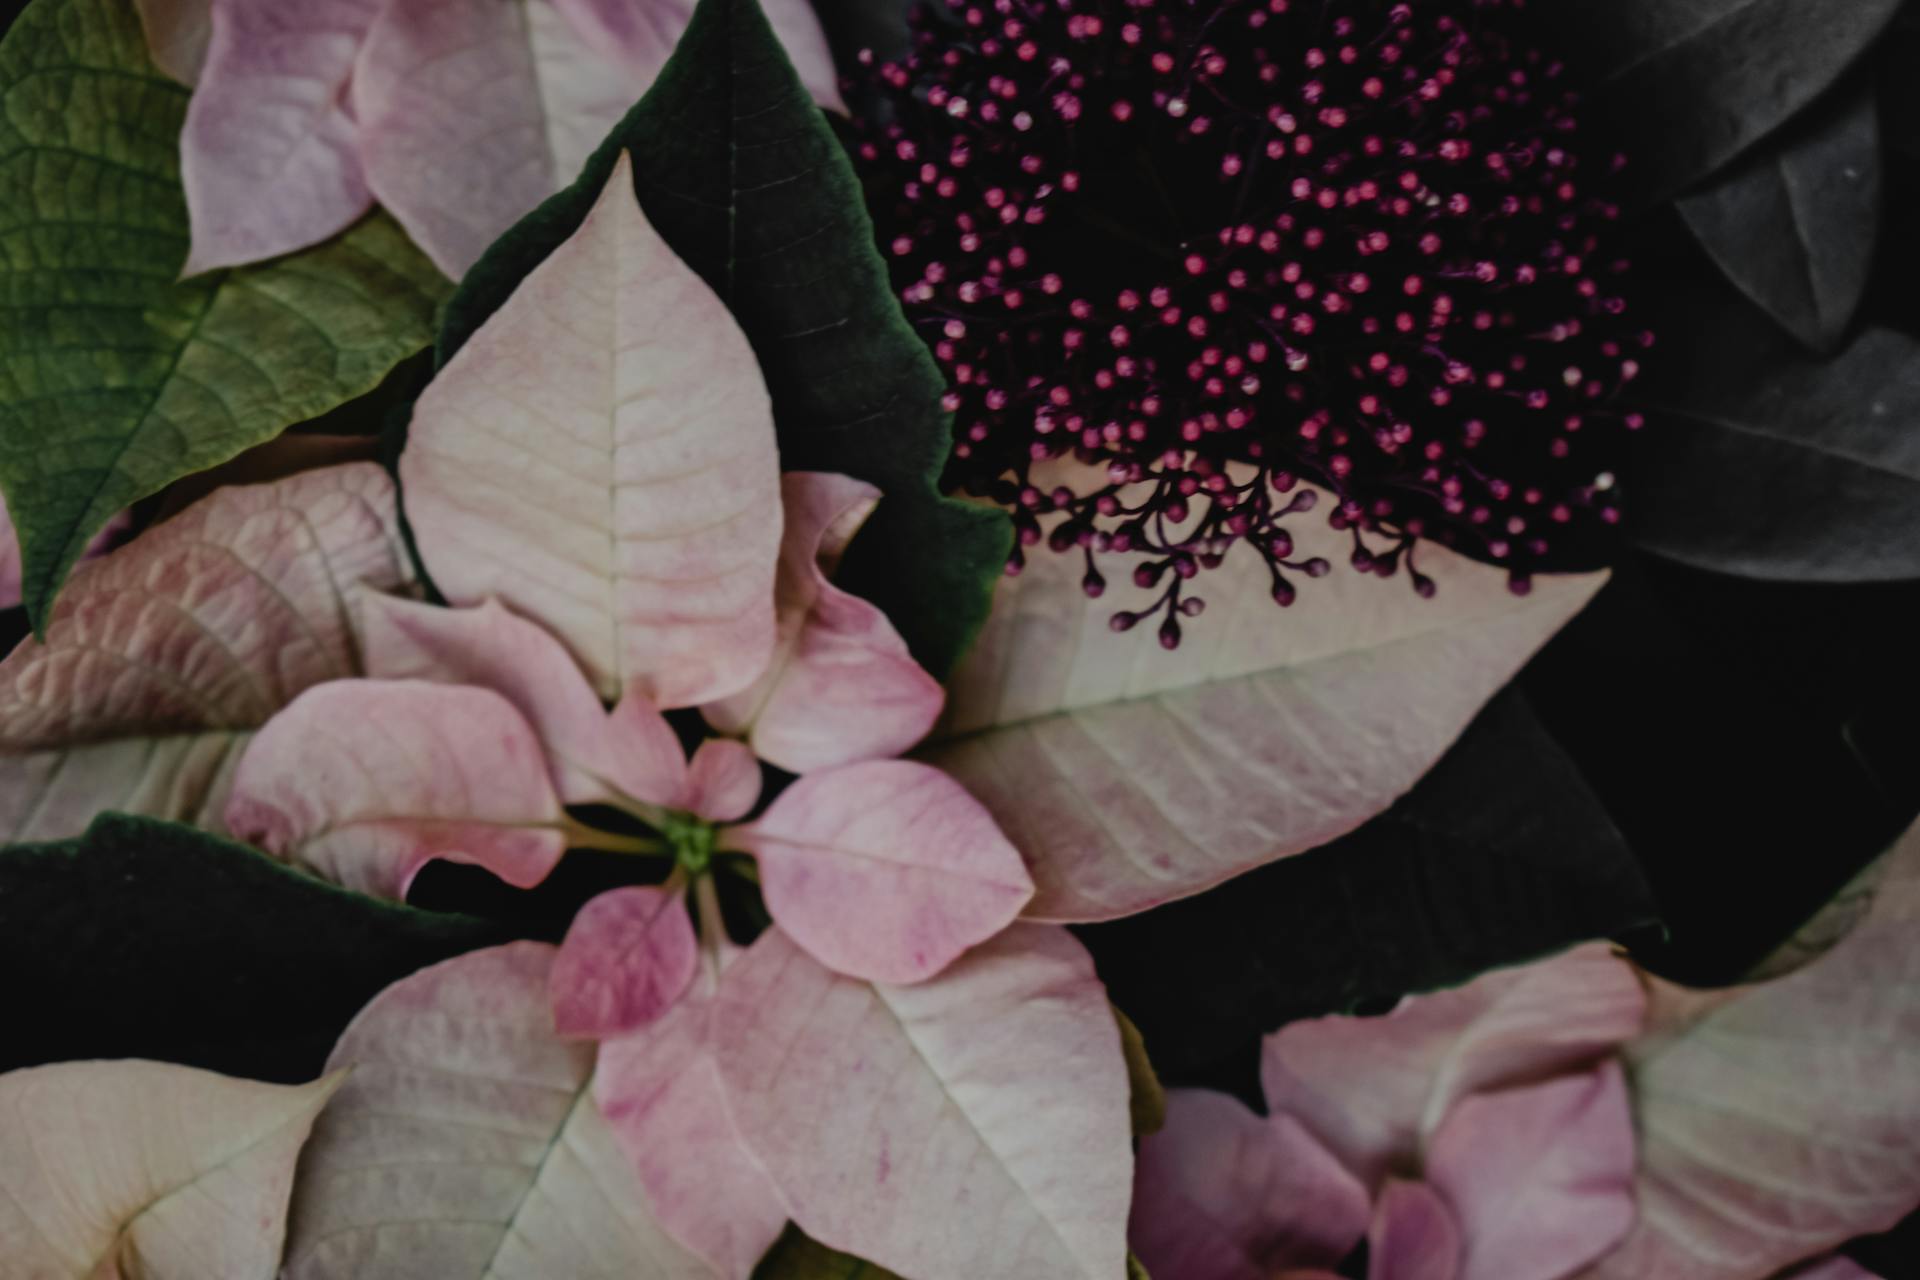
57 793
1539 1177
159 654
600 456
629 954
269 154
842 686
661 1095
1838 1267
1375 1089
366 781
641 34
466 1145
1130 776
595 758
1413 1236
473 111
723 783
973 1125
1784 1118
177 35
885 870
146 1169
1222 1194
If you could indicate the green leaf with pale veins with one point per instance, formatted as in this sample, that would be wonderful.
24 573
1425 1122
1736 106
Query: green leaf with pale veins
118 378
741 175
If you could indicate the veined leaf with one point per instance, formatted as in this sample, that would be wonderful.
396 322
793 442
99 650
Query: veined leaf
146 1169
466 1144
1794 222
120 377
740 174
1130 776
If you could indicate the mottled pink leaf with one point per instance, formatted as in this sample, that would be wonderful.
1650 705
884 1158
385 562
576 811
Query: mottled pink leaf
160 656
1109 762
465 1144
1222 1194
1413 1236
842 686
885 870
1782 1119
1375 1089
268 154
600 456
628 955
473 111
723 783
366 781
661 1095
146 1171
595 758
177 34
1540 1177
641 34
973 1125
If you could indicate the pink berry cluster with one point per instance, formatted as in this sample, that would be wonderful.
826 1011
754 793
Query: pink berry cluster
1230 252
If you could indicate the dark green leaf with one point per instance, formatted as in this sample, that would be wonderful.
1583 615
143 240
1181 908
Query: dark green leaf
739 172
1760 460
119 377
1687 85
1753 741
1794 222
796 1257
151 939
1498 855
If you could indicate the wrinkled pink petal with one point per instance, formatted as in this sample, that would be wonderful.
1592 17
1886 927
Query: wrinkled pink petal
1374 1089
723 783
488 646
1540 1178
842 686
366 781
177 35
473 111
600 456
1413 1236
10 551
641 34
1221 1194
269 155
886 870
661 1094
971 1126
628 955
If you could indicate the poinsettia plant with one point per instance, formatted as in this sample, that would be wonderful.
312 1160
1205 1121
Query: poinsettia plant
1261 519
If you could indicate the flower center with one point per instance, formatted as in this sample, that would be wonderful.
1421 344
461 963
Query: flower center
691 839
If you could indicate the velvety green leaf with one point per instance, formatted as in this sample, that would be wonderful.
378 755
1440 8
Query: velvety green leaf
1499 854
1753 741
1762 461
1793 223
796 1257
151 939
739 172
119 377
1685 86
